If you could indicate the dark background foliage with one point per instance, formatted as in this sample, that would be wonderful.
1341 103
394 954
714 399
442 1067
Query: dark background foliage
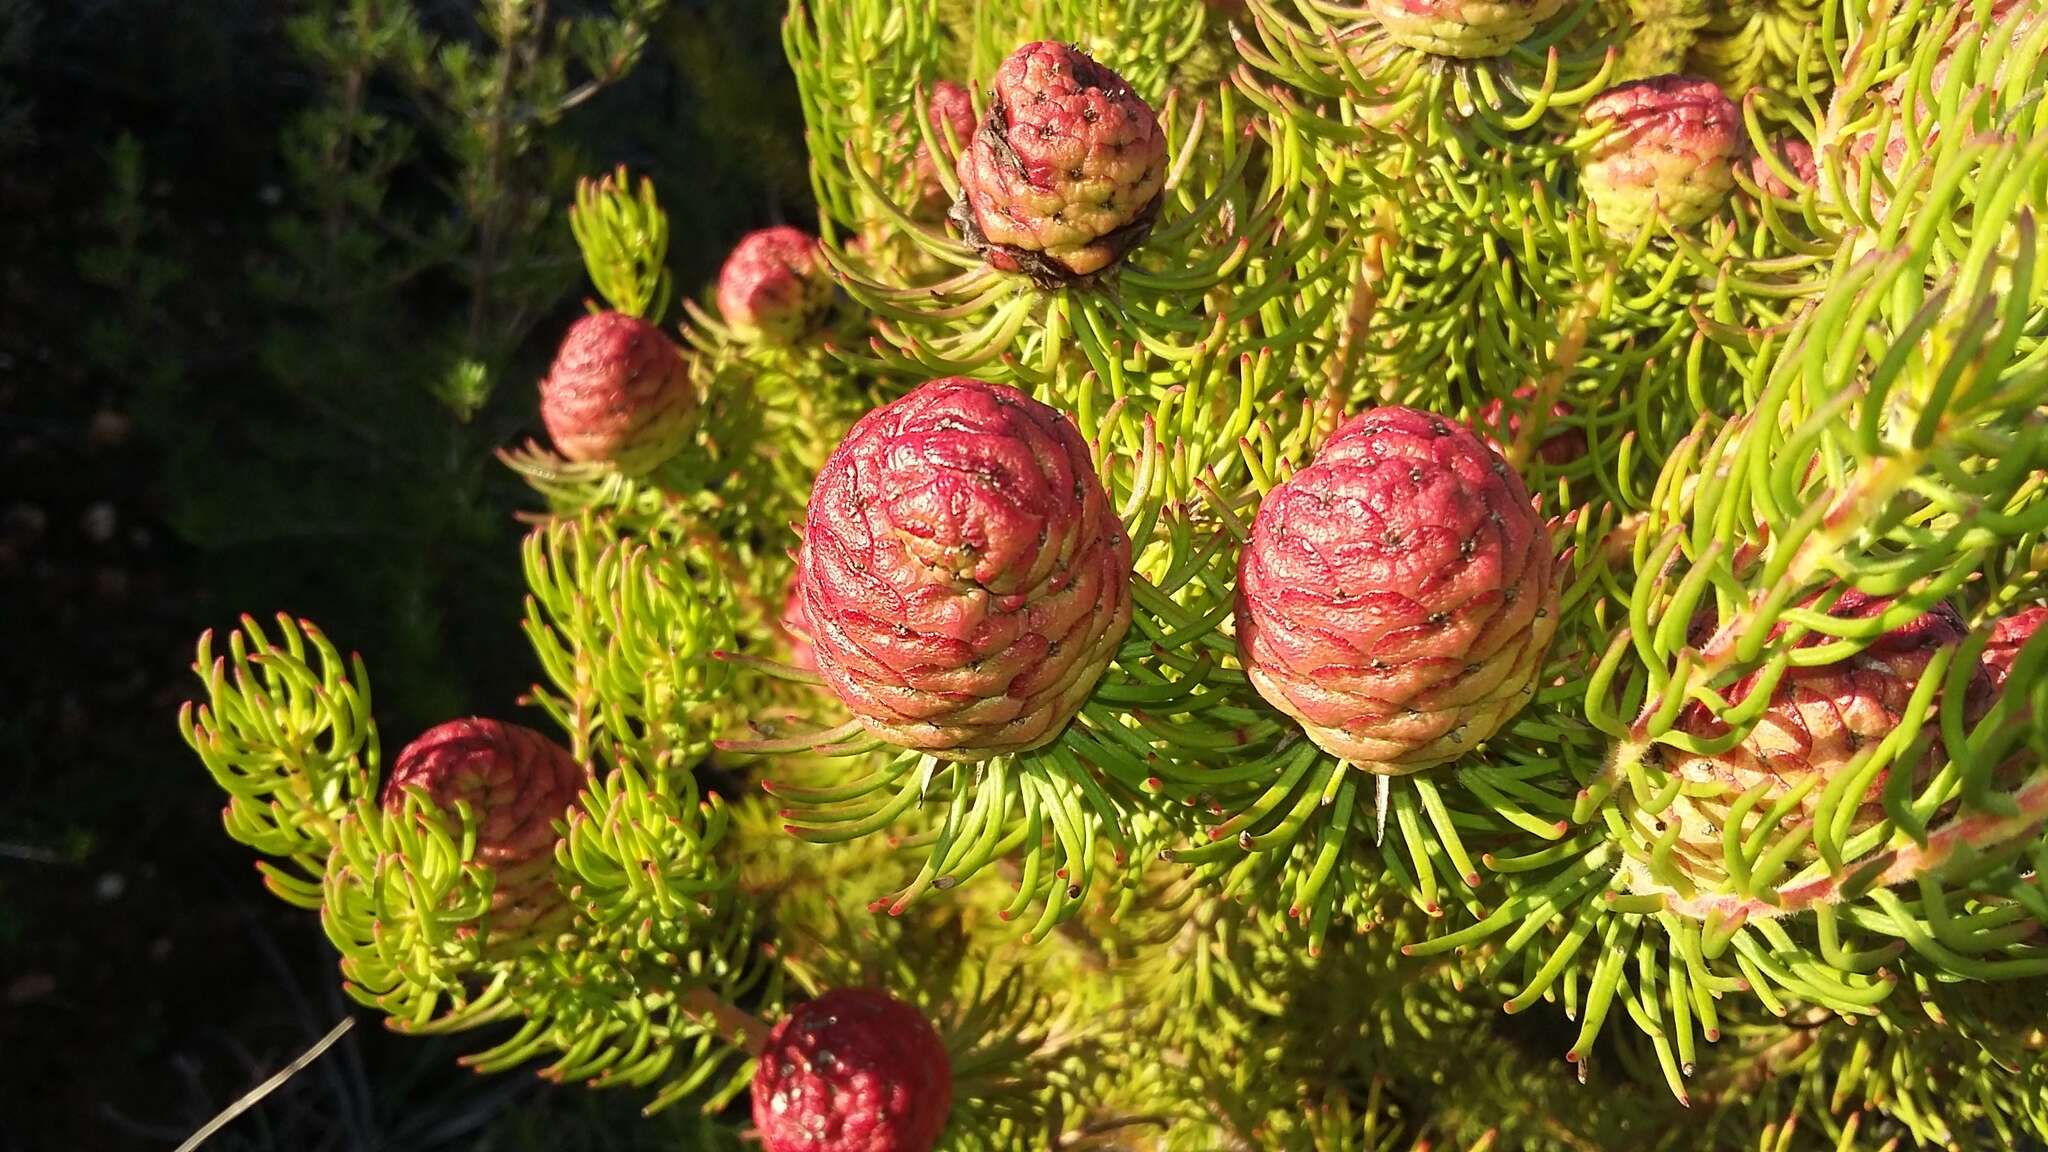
271 292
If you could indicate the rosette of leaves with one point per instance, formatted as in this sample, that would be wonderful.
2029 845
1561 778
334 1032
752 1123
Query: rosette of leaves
628 629
1457 77
1421 117
1898 468
1479 279
285 730
1657 34
622 234
1783 45
643 987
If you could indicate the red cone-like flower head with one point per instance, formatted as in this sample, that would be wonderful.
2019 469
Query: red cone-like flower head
619 391
1464 29
855 1070
1672 149
1396 596
1563 445
517 783
2008 636
964 580
774 287
1065 171
1820 716
1817 722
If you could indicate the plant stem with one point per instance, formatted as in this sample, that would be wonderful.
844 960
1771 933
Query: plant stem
739 1026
